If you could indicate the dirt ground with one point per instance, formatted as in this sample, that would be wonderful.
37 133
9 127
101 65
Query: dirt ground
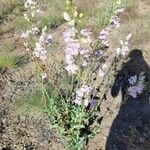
31 132
126 126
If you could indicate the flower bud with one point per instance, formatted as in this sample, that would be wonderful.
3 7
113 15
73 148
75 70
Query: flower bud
81 15
66 16
75 14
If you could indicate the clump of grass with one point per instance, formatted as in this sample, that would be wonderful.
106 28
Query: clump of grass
30 102
7 6
98 13
8 57
52 16
129 3
50 22
8 60
7 46
21 23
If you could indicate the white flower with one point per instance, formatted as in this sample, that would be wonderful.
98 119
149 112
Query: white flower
129 36
69 59
26 17
78 100
104 66
26 44
72 22
29 3
115 22
75 14
84 63
44 29
34 30
102 70
124 50
72 68
25 34
66 16
73 48
69 35
44 76
118 50
101 73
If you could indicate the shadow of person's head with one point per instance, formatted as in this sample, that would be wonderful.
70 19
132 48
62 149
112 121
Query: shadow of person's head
135 54
134 110
133 67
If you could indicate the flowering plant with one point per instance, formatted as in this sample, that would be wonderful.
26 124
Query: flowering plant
73 104
75 113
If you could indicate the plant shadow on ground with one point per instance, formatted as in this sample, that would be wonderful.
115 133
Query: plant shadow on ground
131 128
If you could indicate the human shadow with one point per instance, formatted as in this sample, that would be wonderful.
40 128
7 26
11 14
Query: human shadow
128 129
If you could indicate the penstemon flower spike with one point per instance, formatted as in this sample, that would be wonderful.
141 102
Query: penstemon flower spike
124 49
41 40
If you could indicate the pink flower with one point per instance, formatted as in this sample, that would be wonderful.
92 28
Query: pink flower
73 48
104 36
40 52
86 32
132 80
102 70
137 85
35 30
72 68
29 3
69 35
49 39
135 90
81 92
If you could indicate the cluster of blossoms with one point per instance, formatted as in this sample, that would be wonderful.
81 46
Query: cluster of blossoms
32 10
26 35
43 41
136 85
102 70
83 93
115 20
40 46
35 41
124 50
114 23
76 46
72 50
30 5
78 53
85 51
104 36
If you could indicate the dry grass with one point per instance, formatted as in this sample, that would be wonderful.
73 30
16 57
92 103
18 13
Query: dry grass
7 6
136 22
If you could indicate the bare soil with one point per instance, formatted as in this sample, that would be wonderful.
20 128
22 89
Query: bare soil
126 125
29 132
